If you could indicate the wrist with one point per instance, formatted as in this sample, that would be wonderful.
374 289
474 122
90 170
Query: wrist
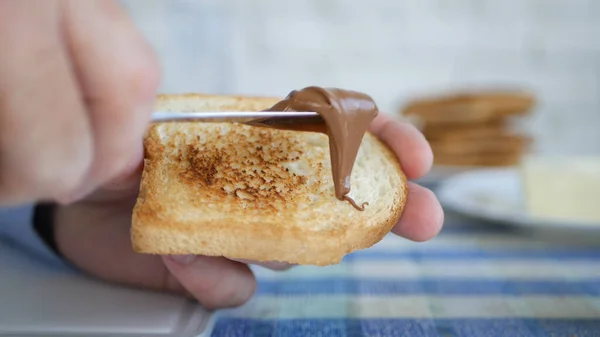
44 224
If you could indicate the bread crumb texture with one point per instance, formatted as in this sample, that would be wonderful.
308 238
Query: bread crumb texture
248 192
252 176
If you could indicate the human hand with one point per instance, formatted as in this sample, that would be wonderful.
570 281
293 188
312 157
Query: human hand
77 85
94 233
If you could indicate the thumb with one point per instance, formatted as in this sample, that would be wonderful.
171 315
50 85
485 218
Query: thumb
215 282
124 185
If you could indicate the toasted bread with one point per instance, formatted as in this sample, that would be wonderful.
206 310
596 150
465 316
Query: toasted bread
479 159
502 144
473 134
465 131
255 193
475 107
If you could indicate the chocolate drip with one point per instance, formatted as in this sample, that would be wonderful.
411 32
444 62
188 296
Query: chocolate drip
353 203
347 115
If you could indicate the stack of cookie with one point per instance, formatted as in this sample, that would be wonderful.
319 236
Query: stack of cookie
473 129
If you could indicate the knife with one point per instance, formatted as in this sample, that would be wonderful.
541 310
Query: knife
245 117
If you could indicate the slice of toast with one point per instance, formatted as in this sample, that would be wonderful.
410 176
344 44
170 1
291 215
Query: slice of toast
467 131
507 143
469 107
479 159
249 192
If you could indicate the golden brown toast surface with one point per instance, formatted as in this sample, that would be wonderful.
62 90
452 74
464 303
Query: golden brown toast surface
248 192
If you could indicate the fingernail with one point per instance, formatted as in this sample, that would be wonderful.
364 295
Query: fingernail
130 174
145 110
274 265
182 259
146 105
278 266
125 181
76 195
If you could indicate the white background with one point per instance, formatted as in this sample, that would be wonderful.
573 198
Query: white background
392 50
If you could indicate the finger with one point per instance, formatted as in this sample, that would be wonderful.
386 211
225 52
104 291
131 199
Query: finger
214 281
119 76
126 187
407 142
100 245
423 215
127 181
45 141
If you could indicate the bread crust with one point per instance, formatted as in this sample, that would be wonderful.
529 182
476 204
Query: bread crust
481 106
479 159
158 228
504 144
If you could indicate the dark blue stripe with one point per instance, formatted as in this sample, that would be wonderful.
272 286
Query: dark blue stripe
352 286
234 327
475 254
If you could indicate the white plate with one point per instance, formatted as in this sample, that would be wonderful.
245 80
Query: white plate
37 299
440 172
496 195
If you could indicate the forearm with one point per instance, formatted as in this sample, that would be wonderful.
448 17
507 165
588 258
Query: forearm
17 225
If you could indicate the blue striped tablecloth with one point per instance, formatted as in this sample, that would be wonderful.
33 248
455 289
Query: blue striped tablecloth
469 281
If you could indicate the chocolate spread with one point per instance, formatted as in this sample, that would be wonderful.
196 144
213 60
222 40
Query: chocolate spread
347 115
